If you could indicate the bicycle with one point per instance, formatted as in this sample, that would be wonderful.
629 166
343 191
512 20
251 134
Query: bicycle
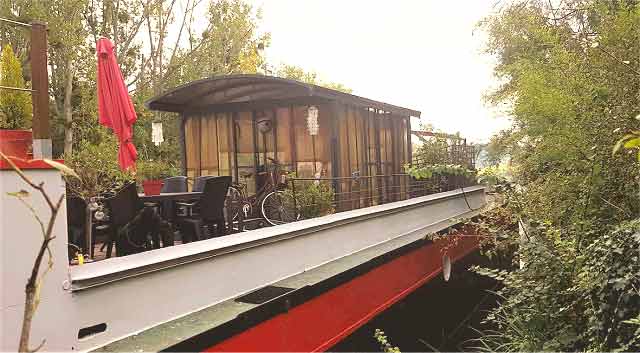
276 206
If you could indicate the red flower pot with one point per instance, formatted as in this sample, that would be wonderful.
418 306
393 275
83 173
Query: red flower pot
17 143
152 187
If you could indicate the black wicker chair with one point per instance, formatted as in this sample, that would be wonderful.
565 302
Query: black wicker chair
76 220
174 184
137 228
207 212
198 185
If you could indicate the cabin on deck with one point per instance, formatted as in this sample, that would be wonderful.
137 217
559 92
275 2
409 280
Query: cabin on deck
232 125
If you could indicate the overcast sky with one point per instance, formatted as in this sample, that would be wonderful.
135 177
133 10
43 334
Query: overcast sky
421 54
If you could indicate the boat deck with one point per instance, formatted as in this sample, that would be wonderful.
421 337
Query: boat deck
197 331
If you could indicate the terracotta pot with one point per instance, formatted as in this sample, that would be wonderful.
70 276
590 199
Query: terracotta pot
152 187
17 143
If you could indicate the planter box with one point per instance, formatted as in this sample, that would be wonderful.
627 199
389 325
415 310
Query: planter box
152 187
17 143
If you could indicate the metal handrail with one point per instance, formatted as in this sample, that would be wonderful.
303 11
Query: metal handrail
17 89
19 24
15 23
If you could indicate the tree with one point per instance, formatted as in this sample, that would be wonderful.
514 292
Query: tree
297 73
15 106
571 78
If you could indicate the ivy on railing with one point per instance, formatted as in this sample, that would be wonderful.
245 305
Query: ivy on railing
428 171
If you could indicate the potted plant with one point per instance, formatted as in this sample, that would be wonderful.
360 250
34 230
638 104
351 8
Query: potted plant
99 175
151 173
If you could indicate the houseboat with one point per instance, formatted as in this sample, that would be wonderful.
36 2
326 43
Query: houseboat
299 286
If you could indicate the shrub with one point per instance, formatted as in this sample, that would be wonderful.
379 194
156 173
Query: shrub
313 199
155 170
97 166
15 106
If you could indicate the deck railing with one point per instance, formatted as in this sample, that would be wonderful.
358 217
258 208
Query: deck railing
363 191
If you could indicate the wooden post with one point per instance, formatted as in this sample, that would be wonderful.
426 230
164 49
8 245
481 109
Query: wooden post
409 147
183 144
234 136
274 131
376 137
292 140
256 156
40 96
335 151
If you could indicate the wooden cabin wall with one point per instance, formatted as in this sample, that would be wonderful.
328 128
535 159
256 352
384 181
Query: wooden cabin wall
211 148
208 143
284 138
244 136
312 153
370 144
374 145
192 145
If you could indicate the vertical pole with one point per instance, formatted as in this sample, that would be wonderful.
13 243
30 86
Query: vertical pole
234 135
274 129
40 98
215 119
199 173
376 127
183 144
256 156
313 149
409 148
335 151
292 140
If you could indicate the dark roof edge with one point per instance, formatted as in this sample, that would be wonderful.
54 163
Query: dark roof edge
155 103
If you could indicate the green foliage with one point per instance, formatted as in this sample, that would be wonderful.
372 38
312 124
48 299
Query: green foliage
433 150
428 171
97 168
568 298
385 345
154 170
313 199
630 141
610 278
570 92
299 74
493 175
230 44
15 107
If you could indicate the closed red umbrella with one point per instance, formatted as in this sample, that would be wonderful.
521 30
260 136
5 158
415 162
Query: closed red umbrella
114 104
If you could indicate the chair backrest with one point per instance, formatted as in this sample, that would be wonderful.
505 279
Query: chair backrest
198 185
124 206
175 184
212 200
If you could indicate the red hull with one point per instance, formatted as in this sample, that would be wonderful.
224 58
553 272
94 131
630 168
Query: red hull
325 320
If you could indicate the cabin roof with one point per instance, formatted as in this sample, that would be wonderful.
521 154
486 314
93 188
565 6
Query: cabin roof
220 91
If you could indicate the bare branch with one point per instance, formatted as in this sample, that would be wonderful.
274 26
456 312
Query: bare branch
34 283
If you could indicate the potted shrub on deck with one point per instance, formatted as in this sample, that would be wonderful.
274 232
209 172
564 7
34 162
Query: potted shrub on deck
151 174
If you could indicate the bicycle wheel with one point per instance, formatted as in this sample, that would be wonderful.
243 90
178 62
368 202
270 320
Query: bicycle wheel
236 205
278 208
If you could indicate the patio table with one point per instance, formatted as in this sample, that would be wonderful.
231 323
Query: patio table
167 201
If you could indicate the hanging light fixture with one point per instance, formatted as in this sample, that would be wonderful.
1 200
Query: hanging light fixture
156 133
312 120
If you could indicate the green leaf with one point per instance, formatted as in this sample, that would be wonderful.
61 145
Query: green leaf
635 142
19 194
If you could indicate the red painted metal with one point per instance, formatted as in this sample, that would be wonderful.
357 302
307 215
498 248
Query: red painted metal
320 323
16 143
152 187
27 164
